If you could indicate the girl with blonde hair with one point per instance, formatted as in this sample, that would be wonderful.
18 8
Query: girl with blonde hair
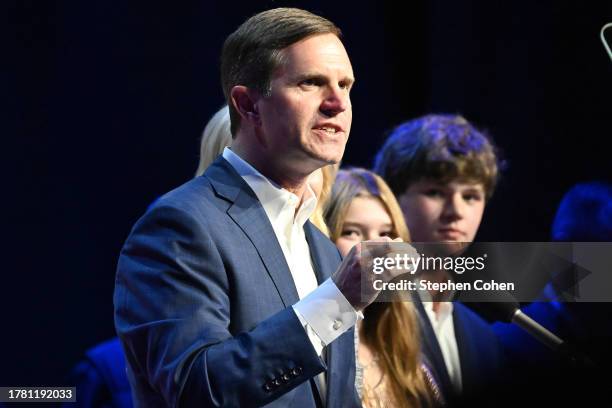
362 207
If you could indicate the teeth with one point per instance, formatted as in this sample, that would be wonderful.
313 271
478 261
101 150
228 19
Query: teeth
328 129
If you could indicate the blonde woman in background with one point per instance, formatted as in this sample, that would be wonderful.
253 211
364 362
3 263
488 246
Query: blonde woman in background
217 136
321 182
361 207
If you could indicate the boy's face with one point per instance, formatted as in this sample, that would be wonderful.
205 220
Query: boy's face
438 212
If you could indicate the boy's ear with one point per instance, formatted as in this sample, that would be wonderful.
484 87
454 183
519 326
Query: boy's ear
245 103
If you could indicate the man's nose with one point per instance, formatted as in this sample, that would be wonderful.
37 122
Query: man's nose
336 101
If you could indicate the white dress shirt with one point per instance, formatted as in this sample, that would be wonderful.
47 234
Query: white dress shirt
323 311
444 328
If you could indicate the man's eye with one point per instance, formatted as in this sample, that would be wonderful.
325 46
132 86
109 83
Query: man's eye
345 85
309 82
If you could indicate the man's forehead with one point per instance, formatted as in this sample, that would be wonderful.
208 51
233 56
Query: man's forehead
314 53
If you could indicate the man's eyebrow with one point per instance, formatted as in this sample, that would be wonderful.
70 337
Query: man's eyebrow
312 75
476 188
323 78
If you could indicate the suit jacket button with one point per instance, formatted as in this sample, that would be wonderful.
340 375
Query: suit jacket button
276 382
267 387
285 377
296 371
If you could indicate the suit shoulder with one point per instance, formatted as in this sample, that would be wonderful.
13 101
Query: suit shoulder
188 208
196 192
474 320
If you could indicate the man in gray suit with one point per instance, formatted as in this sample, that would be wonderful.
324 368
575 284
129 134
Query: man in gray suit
223 293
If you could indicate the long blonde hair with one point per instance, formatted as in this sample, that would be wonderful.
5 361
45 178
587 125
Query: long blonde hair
390 329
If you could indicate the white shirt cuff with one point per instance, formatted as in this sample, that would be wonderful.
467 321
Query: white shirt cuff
327 313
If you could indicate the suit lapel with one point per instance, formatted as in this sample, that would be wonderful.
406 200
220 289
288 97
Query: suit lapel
248 213
464 348
320 262
431 347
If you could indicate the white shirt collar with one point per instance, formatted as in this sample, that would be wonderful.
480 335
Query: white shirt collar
444 329
445 309
278 203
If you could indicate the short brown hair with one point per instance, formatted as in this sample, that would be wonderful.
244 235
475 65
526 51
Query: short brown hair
442 148
252 52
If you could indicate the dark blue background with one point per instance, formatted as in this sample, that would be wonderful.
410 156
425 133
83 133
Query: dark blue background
105 102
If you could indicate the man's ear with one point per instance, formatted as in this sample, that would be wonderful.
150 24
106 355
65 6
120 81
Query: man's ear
244 100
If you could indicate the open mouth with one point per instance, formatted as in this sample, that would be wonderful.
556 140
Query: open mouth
328 129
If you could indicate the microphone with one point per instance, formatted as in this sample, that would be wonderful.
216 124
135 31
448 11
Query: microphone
538 331
509 311
502 305
505 308
548 338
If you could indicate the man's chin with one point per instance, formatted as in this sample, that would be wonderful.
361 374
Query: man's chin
325 159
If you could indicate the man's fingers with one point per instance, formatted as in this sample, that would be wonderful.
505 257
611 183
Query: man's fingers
384 246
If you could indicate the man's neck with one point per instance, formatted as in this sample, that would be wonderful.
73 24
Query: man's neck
290 181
